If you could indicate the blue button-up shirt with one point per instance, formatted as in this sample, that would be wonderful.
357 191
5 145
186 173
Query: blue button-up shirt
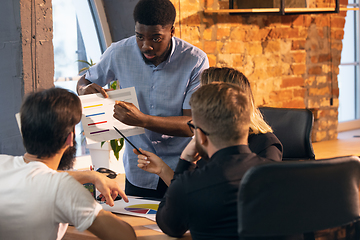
162 90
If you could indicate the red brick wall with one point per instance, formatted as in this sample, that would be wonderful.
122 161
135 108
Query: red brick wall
291 61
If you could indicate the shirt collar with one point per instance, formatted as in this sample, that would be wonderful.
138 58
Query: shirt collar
233 150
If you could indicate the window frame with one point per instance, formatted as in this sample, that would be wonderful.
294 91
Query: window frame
354 124
91 16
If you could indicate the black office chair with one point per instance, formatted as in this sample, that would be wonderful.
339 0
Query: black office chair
292 199
293 128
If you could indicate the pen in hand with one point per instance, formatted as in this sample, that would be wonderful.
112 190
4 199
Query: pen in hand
128 140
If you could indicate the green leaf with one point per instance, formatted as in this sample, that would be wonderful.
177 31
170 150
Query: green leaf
116 146
91 63
86 62
83 69
121 140
113 85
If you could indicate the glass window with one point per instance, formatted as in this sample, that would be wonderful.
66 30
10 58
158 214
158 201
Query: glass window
348 78
77 35
347 93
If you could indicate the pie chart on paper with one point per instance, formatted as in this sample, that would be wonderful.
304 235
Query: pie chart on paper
142 208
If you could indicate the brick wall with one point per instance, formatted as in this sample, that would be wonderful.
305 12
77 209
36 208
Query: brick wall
37 48
291 61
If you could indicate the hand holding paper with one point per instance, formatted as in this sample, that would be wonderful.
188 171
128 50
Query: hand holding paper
97 117
128 113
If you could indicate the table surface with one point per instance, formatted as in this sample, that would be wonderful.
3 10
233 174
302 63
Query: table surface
138 223
348 143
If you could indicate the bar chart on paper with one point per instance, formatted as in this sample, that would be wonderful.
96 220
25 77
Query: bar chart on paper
97 118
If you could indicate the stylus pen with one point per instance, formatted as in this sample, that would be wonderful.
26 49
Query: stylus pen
128 140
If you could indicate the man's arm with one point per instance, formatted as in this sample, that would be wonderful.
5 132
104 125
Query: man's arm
173 212
108 226
109 188
84 86
128 114
172 216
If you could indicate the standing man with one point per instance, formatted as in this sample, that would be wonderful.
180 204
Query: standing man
204 200
165 71
36 200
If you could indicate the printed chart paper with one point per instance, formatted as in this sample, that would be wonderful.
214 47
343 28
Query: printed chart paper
135 207
97 115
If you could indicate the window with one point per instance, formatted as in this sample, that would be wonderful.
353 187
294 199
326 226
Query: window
348 78
80 33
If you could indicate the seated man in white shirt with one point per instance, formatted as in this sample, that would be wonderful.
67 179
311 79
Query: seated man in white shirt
35 198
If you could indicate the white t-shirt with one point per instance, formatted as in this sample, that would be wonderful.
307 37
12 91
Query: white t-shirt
35 199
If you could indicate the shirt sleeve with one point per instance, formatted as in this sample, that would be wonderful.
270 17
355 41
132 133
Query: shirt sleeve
101 73
173 213
74 204
195 79
183 166
173 216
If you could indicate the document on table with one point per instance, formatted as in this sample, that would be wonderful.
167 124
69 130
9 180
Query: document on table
136 207
97 115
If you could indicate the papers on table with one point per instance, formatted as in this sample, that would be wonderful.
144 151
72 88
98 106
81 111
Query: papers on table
97 115
136 207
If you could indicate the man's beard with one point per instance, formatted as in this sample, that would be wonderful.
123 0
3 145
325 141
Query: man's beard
68 158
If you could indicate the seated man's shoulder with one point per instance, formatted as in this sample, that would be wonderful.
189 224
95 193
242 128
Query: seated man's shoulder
7 161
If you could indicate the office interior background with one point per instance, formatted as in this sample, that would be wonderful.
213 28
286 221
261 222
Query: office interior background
302 60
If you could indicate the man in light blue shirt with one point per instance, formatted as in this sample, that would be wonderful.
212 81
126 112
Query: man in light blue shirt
165 71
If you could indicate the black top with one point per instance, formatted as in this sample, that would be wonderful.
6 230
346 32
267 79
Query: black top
266 145
204 200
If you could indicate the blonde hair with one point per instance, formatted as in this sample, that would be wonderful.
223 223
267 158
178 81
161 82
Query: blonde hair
230 75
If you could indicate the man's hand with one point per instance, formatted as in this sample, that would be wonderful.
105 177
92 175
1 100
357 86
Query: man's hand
84 87
151 163
108 188
128 114
93 88
190 153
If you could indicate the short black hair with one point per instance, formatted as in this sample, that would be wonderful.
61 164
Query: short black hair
47 118
154 12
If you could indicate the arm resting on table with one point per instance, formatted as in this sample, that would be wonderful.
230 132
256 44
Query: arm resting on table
109 226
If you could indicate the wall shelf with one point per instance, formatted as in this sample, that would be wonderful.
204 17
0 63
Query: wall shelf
277 10
280 10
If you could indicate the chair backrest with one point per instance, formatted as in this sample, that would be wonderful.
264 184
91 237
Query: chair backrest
293 128
295 197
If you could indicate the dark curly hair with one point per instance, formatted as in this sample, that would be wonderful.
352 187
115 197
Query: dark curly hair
47 118
154 12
